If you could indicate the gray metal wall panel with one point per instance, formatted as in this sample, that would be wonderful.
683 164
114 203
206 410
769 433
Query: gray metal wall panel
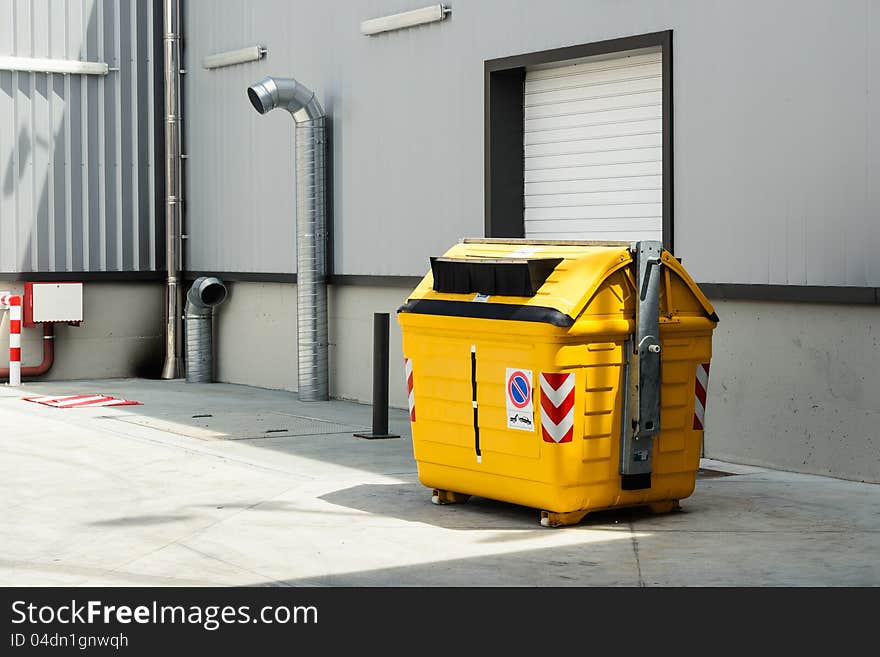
871 220
781 128
239 174
776 146
76 155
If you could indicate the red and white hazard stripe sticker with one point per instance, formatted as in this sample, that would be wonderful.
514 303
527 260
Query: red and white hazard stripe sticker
81 401
557 406
700 387
408 367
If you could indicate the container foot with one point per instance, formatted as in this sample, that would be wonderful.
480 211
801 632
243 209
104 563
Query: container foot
448 497
666 506
553 519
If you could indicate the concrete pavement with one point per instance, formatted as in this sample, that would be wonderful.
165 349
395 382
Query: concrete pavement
229 485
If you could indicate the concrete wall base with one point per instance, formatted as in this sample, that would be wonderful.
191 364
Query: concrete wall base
796 387
256 338
121 334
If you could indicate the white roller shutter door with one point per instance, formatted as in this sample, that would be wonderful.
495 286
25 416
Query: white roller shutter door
593 149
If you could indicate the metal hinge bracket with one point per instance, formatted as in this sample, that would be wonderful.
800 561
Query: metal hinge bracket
642 380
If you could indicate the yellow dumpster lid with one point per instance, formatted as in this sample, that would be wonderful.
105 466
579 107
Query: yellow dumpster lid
548 281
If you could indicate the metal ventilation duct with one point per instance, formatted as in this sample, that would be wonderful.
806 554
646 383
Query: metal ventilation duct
311 226
206 293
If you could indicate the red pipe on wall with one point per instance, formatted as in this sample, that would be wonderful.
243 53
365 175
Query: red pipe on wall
48 355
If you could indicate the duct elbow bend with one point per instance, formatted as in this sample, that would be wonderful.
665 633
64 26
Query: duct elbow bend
205 293
286 93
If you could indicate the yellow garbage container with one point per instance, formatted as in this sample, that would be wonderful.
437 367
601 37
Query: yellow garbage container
561 375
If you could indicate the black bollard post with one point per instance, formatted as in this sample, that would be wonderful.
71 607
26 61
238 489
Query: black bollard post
380 379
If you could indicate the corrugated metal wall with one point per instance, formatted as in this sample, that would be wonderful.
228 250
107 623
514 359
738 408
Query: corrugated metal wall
77 190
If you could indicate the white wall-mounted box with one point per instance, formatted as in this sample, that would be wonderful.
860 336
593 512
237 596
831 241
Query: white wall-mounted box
52 302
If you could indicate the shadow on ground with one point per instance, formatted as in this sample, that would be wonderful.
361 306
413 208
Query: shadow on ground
412 503
609 561
140 521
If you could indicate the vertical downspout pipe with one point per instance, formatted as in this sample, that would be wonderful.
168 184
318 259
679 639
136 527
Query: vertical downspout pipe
311 226
173 188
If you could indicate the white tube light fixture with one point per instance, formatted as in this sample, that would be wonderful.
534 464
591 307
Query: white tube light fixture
232 57
52 65
421 16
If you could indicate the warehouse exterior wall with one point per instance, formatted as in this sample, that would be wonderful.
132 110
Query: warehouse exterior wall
775 184
775 158
775 170
79 196
121 335
795 386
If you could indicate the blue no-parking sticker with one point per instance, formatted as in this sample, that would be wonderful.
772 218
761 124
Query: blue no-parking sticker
518 387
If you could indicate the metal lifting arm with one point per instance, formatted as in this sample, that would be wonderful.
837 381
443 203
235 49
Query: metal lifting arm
641 421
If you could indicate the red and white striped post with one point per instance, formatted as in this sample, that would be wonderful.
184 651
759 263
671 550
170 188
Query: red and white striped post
13 302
